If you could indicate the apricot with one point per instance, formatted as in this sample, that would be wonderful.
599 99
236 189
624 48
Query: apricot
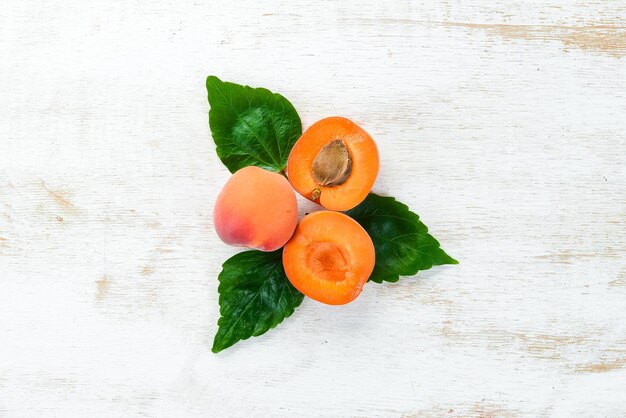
257 209
329 257
334 163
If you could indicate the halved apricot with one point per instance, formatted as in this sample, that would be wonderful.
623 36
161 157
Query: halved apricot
329 257
334 163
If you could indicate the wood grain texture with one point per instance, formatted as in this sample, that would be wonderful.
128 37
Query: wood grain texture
501 123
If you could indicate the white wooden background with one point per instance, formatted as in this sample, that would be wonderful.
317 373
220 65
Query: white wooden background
501 123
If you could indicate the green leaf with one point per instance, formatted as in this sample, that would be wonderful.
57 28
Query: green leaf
251 126
402 243
255 295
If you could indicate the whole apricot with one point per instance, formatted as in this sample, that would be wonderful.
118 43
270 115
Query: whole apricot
257 209
329 258
334 163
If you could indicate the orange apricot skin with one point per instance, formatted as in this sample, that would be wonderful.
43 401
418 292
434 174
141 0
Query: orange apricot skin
365 163
325 241
256 209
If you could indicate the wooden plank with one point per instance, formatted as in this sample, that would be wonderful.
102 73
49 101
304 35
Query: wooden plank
501 124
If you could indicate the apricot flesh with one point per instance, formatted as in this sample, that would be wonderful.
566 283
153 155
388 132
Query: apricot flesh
334 163
329 258
256 209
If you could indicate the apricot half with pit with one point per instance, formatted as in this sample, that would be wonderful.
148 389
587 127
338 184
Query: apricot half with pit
329 258
257 209
334 163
